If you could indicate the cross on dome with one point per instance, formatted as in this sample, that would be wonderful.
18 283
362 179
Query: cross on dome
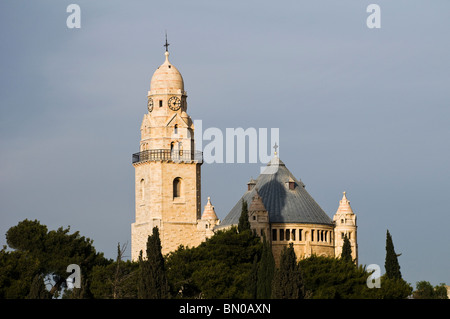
167 44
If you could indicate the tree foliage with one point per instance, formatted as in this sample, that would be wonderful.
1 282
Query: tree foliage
265 272
334 278
38 289
391 262
220 267
244 223
393 288
231 264
117 280
424 290
45 254
153 282
17 271
287 281
346 254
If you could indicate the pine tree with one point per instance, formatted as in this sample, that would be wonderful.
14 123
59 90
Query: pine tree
79 293
391 262
266 269
153 282
346 254
38 289
54 250
287 281
244 223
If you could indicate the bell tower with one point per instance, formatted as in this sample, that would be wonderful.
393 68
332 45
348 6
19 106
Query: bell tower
167 167
345 225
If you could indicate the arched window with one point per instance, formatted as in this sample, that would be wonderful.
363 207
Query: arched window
175 129
177 187
141 189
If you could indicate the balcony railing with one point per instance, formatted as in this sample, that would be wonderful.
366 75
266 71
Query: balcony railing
167 155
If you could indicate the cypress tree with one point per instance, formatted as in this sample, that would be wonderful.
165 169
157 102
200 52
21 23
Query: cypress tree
346 254
391 262
266 269
153 282
287 281
253 278
244 223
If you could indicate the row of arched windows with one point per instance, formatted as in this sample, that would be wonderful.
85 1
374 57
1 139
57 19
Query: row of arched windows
349 235
286 234
320 235
317 235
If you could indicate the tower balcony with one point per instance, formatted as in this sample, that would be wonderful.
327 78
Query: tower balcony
168 155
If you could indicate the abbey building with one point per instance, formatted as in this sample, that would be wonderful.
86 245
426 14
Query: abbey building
168 188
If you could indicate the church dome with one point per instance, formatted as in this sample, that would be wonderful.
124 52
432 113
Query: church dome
284 204
167 77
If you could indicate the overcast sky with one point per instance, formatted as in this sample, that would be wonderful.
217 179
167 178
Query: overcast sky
360 110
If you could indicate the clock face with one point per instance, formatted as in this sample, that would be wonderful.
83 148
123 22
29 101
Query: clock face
150 104
174 103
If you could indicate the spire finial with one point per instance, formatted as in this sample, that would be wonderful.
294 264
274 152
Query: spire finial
275 147
344 205
167 44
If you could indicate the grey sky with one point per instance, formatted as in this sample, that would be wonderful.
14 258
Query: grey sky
359 110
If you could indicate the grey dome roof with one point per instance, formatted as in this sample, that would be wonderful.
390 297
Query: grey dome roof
283 204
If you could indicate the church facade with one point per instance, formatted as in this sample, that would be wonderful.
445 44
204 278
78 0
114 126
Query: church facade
168 188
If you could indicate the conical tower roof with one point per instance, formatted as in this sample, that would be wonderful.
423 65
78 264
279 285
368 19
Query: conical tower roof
209 213
344 206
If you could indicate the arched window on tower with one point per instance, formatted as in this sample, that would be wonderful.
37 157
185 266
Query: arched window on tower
141 189
175 129
177 187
